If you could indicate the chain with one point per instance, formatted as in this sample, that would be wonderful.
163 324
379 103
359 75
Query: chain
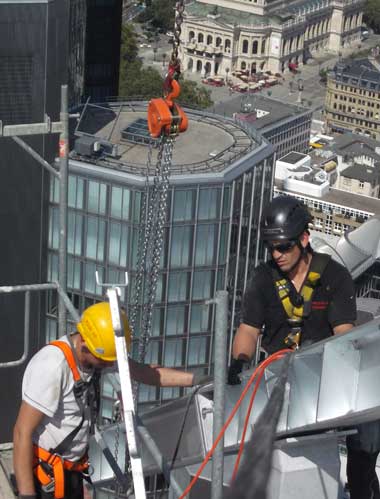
116 453
143 243
179 10
153 213
157 214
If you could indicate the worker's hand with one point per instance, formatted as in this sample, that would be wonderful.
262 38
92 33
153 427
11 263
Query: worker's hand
235 369
202 379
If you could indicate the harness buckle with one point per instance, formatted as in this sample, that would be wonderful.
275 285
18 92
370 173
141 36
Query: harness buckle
293 339
49 487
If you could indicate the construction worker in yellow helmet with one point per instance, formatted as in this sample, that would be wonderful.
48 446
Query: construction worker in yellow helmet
52 430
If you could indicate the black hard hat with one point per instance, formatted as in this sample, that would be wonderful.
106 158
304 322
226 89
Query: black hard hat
284 219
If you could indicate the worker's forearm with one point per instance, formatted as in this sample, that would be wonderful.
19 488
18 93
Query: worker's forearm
159 376
23 462
172 377
244 346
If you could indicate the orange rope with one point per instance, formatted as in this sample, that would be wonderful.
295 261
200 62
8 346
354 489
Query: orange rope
228 421
261 369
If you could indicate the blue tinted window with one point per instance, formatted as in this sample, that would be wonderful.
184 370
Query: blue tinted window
202 285
183 205
97 196
205 245
181 245
208 204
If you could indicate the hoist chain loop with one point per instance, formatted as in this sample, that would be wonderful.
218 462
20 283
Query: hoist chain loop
158 210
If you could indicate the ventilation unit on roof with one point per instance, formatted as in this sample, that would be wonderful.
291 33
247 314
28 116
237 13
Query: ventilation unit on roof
95 147
106 148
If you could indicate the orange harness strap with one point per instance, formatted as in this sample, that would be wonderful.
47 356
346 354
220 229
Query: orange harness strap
68 353
50 468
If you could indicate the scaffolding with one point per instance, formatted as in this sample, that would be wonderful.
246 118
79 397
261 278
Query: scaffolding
133 424
62 128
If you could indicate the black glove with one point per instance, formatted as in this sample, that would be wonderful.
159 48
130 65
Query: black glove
235 369
202 379
27 496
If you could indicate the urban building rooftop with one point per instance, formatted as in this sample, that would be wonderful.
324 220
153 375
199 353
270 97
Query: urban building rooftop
210 146
364 205
260 111
358 72
351 144
225 15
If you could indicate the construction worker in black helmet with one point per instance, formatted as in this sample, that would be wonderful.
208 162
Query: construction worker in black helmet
51 434
297 298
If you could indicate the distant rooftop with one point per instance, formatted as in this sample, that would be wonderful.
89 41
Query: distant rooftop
363 173
236 17
227 16
357 202
358 72
211 144
293 157
276 109
353 144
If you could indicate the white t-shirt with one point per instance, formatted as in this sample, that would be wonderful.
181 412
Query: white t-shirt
48 386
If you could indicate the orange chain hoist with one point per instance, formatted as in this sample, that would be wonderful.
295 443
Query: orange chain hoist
165 117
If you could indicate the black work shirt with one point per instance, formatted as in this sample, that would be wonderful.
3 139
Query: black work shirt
333 303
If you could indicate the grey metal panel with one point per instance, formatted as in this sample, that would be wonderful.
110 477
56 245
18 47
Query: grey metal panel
331 384
368 393
165 428
304 380
357 250
340 374
102 471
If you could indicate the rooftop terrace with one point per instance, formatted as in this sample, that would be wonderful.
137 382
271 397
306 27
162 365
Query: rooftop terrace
277 111
211 144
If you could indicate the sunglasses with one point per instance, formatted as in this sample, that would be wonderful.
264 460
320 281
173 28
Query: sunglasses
281 247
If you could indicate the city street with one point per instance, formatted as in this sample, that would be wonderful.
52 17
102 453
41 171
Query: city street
312 95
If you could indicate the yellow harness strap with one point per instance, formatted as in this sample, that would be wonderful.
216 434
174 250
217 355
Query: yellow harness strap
307 290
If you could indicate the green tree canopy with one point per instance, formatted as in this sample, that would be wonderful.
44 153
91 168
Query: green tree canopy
160 14
372 14
194 95
137 80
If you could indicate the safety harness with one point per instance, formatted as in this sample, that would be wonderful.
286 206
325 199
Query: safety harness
298 305
49 466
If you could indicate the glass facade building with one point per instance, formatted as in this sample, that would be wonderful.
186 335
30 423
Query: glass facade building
210 243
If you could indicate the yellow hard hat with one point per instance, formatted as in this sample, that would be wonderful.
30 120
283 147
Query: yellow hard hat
97 331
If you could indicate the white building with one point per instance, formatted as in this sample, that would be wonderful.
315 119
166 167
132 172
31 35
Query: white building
220 36
295 173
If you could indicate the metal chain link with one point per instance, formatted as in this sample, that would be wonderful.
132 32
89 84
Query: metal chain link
179 10
142 246
154 211
153 215
162 189
116 455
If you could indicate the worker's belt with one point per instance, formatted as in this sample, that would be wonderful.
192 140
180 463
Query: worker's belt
49 469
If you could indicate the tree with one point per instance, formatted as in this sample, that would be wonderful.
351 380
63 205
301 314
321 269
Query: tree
160 14
129 48
139 81
193 94
372 14
323 75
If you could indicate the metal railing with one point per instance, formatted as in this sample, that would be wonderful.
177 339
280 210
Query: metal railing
238 149
28 289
